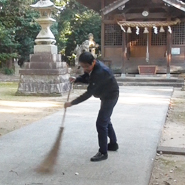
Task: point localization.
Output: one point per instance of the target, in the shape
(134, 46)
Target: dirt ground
(18, 111)
(170, 169)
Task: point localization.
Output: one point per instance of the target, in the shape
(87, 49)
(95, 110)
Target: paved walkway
(138, 119)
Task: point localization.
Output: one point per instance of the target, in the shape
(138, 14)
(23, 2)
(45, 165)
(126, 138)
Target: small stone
(76, 173)
(166, 183)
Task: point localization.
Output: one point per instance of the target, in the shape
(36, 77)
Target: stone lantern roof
(43, 4)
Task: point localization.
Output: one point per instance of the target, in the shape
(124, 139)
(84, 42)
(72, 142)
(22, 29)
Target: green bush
(8, 71)
(71, 60)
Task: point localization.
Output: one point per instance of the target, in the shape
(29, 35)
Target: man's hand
(72, 79)
(67, 104)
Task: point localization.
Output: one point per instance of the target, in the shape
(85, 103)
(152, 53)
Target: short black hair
(86, 57)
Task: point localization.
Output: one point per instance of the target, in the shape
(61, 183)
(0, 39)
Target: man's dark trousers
(104, 125)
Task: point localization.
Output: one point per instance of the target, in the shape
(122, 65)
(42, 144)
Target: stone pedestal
(45, 75)
(39, 49)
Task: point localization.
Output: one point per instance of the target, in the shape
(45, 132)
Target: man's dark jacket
(102, 84)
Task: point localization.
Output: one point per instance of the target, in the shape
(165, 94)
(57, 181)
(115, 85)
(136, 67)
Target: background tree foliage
(75, 23)
(18, 28)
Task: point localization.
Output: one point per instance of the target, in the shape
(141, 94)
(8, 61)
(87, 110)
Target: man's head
(87, 61)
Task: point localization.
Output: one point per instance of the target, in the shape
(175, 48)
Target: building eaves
(94, 5)
(176, 3)
(113, 6)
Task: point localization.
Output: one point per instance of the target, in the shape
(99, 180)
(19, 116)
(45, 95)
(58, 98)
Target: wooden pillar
(124, 54)
(169, 45)
(102, 31)
(147, 48)
(169, 38)
(149, 43)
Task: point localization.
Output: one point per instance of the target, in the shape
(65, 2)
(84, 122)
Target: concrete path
(138, 119)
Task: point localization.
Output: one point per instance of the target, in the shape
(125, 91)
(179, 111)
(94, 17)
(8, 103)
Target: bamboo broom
(50, 160)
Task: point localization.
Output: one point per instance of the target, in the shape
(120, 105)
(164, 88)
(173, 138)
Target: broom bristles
(50, 160)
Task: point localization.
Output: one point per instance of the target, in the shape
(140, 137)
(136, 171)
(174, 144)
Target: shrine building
(142, 33)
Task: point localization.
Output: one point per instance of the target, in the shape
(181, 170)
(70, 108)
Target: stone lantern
(45, 37)
(45, 74)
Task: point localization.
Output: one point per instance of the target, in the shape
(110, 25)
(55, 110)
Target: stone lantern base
(46, 48)
(44, 75)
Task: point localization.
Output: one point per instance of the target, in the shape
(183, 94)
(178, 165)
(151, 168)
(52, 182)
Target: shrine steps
(150, 80)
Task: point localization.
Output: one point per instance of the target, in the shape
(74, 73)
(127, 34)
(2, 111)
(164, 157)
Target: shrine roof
(111, 5)
(176, 3)
(95, 4)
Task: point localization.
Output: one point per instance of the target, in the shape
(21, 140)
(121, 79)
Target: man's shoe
(113, 147)
(99, 157)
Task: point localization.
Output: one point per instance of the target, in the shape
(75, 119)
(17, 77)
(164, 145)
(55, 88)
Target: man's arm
(82, 78)
(96, 83)
(81, 98)
(78, 100)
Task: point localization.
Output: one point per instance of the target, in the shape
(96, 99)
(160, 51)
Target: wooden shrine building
(142, 32)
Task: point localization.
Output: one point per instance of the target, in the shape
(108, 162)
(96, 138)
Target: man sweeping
(103, 85)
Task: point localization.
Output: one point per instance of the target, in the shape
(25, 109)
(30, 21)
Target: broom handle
(65, 108)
